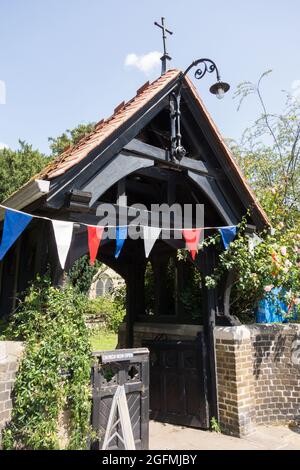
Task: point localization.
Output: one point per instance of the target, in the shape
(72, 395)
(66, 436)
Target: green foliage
(149, 290)
(69, 138)
(17, 167)
(191, 294)
(274, 263)
(54, 374)
(186, 298)
(214, 425)
(269, 154)
(110, 308)
(167, 278)
(103, 340)
(82, 274)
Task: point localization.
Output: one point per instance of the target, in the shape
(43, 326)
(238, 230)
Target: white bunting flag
(253, 241)
(151, 234)
(63, 232)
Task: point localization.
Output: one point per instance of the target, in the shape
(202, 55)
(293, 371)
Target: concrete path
(169, 437)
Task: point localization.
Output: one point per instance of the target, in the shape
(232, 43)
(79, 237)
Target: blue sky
(62, 62)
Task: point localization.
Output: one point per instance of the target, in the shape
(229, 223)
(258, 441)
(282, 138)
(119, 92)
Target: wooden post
(16, 274)
(208, 260)
(135, 299)
(40, 262)
(9, 279)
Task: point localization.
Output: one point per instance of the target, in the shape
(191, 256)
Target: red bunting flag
(192, 237)
(94, 239)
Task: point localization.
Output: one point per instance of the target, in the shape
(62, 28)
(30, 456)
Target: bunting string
(16, 221)
(115, 226)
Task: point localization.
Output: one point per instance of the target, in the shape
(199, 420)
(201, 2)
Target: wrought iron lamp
(219, 89)
(208, 66)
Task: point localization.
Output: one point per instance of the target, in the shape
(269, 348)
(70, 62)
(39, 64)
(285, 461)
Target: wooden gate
(178, 390)
(128, 367)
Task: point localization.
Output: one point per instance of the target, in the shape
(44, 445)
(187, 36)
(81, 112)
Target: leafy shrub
(54, 373)
(82, 274)
(110, 308)
(275, 263)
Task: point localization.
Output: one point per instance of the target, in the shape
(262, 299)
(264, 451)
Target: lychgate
(131, 157)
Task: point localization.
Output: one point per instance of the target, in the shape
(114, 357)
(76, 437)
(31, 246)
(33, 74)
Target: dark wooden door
(178, 391)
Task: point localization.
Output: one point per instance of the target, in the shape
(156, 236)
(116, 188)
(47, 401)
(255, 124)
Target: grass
(103, 340)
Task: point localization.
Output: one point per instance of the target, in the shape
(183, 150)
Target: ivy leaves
(54, 374)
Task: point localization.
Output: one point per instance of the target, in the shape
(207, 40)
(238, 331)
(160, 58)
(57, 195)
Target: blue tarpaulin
(273, 309)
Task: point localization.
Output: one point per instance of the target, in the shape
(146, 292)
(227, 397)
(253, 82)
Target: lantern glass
(219, 89)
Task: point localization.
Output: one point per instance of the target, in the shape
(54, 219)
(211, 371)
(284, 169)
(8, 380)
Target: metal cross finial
(165, 56)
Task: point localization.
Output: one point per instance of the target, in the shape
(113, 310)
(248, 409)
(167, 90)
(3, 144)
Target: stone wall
(258, 375)
(10, 353)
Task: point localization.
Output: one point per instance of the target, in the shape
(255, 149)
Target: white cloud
(145, 63)
(296, 90)
(2, 92)
(3, 146)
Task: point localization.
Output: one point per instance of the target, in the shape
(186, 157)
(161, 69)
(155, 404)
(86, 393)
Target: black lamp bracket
(206, 66)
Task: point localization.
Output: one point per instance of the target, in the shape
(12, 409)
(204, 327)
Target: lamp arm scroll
(204, 66)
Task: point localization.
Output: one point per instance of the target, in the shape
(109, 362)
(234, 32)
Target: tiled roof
(103, 129)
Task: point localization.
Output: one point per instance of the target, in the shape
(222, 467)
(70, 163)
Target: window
(99, 288)
(104, 286)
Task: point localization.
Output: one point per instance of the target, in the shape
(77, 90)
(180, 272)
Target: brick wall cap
(275, 328)
(234, 333)
(244, 332)
(10, 350)
(3, 353)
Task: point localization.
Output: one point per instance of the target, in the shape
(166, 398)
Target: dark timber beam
(159, 155)
(138, 147)
(158, 173)
(121, 190)
(212, 191)
(121, 215)
(116, 170)
(78, 200)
